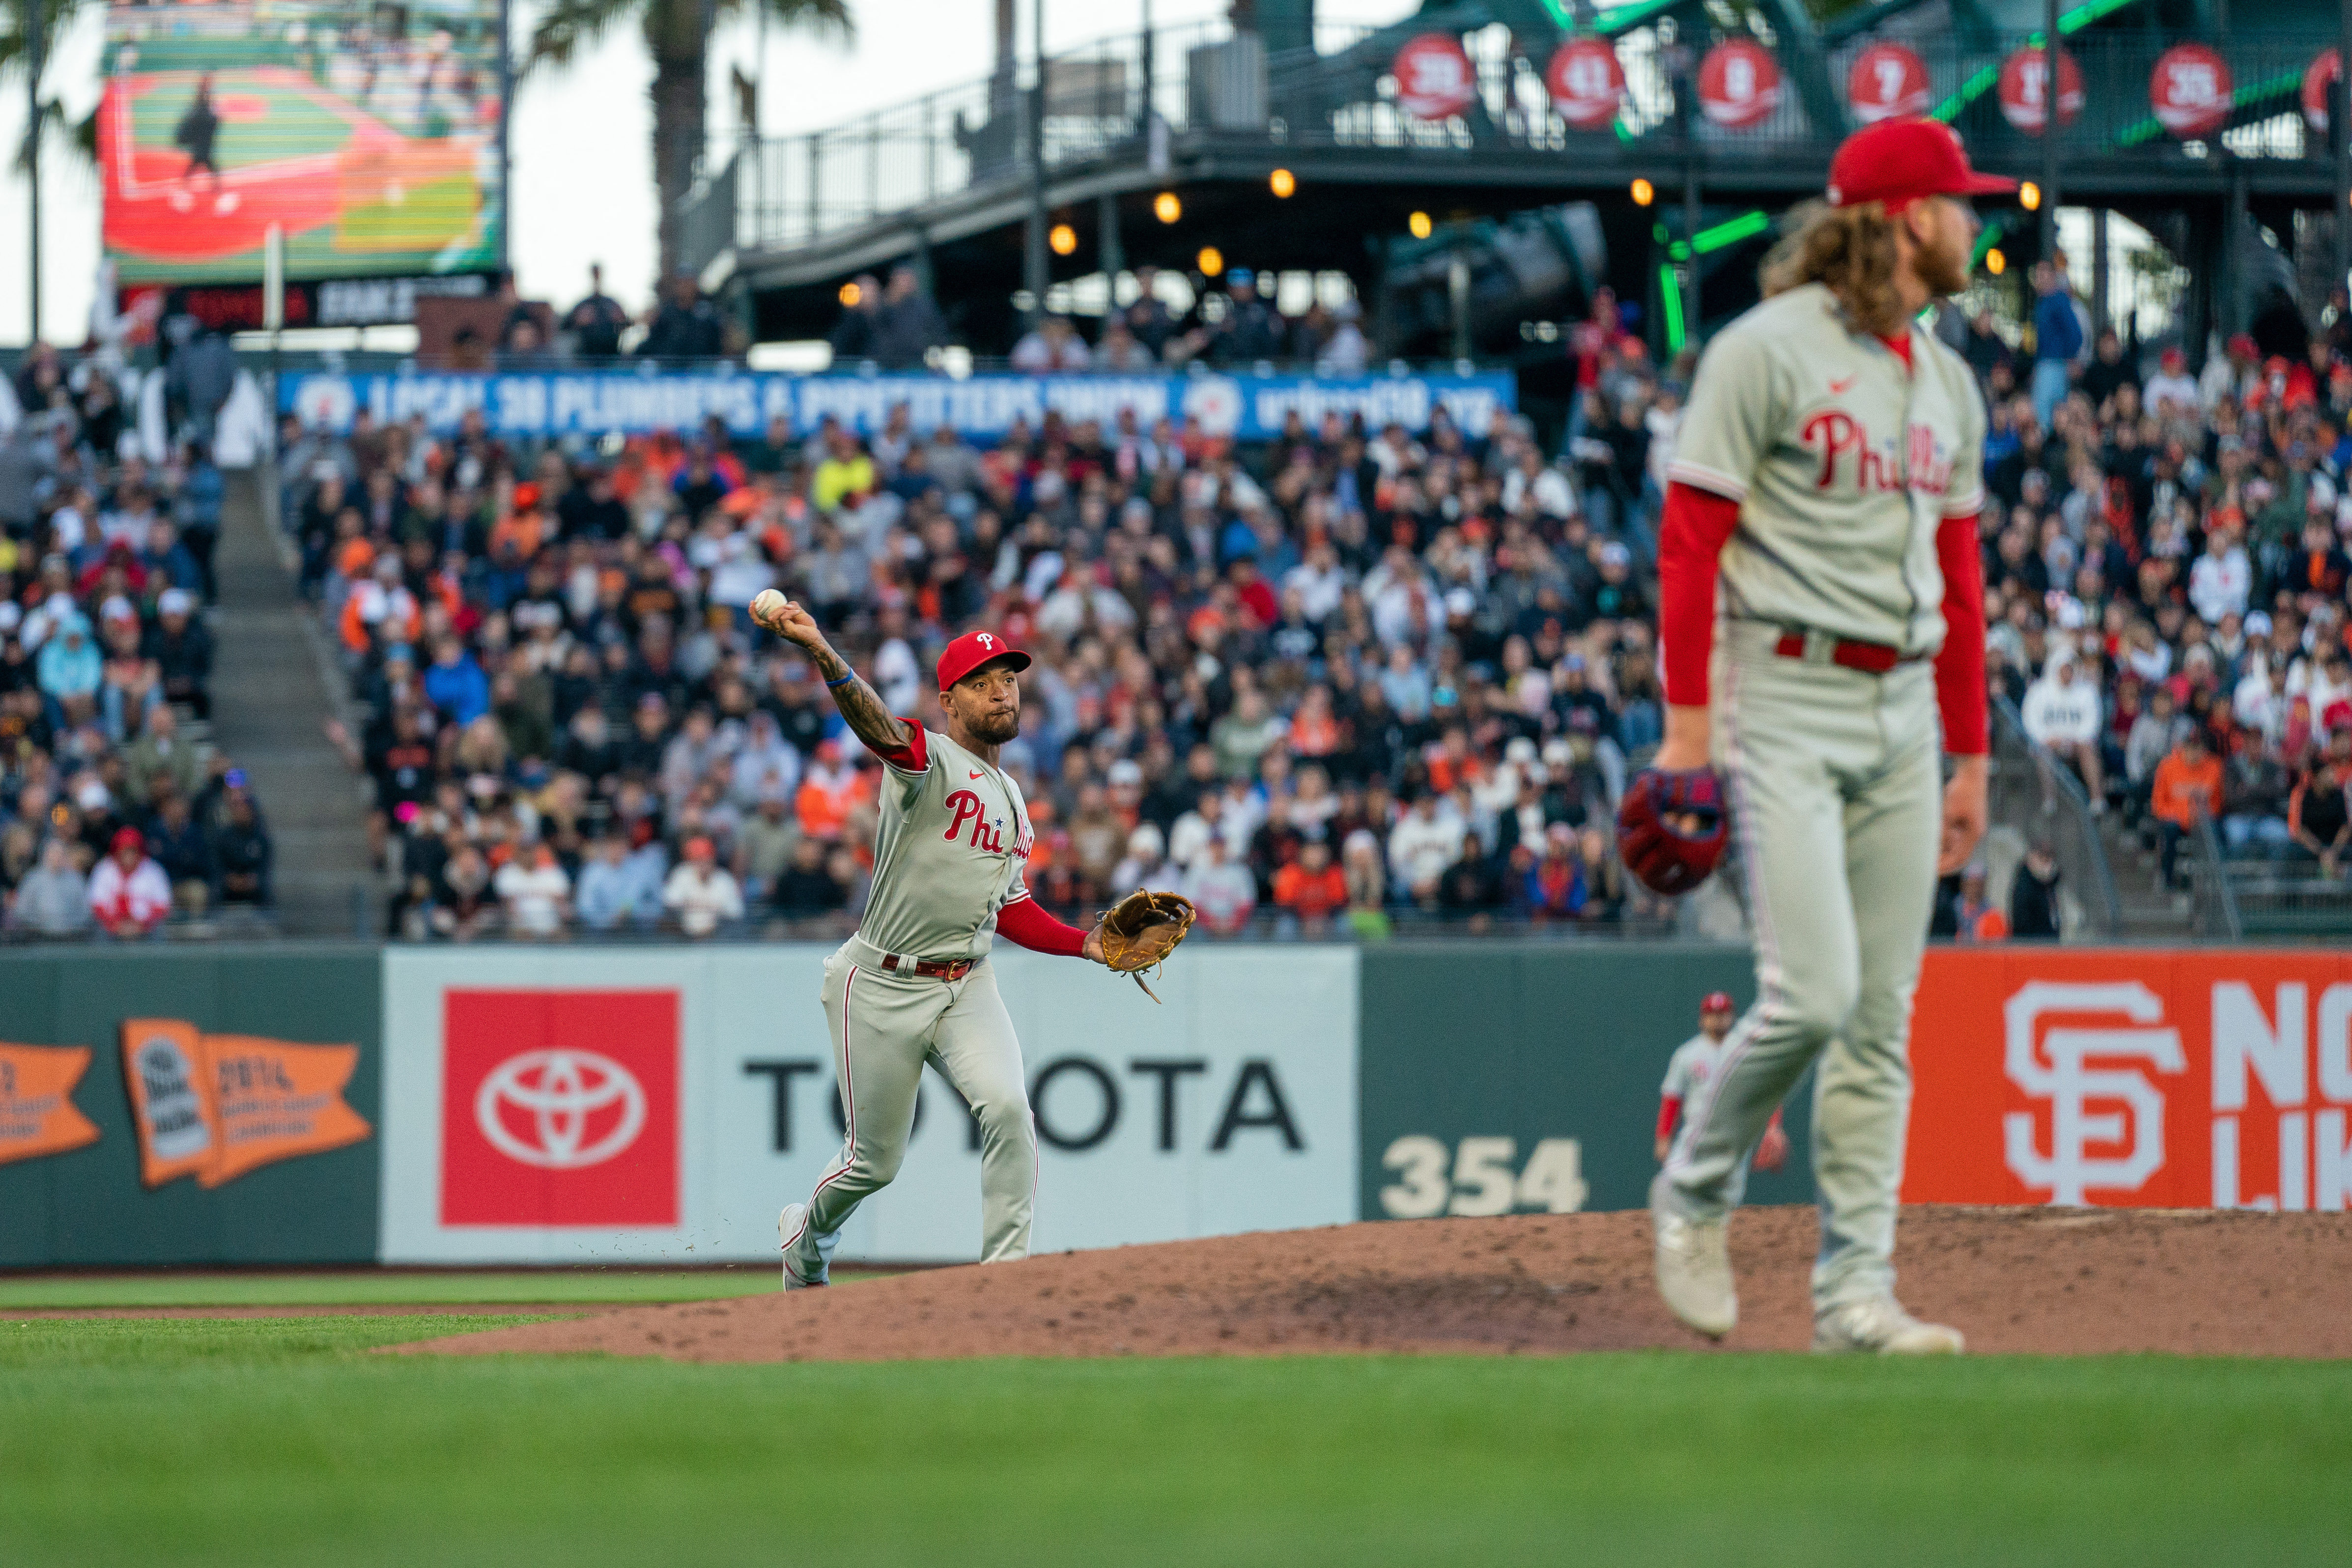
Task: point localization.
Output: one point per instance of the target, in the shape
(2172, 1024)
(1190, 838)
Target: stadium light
(1211, 261)
(1644, 192)
(1063, 240)
(1282, 182)
(1995, 262)
(1166, 208)
(1419, 225)
(2029, 196)
(850, 294)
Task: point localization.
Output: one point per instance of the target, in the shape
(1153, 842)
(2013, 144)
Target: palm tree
(677, 36)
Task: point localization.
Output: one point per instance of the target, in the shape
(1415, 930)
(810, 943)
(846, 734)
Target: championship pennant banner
(2143, 1078)
(37, 1115)
(216, 1106)
(1246, 408)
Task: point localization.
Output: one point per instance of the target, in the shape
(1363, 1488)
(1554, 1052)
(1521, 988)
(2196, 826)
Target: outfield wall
(542, 1105)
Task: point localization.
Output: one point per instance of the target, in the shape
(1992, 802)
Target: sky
(583, 169)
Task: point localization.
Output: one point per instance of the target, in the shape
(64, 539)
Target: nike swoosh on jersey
(1838, 387)
(976, 775)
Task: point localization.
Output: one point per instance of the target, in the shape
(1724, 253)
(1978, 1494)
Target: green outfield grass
(380, 1288)
(260, 1442)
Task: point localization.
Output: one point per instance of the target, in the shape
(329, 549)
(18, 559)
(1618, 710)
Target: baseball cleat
(788, 1228)
(1694, 1265)
(1878, 1325)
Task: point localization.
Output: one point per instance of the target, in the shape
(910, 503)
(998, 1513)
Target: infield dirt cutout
(2039, 1280)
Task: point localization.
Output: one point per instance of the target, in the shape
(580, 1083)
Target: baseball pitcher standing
(914, 985)
(1825, 490)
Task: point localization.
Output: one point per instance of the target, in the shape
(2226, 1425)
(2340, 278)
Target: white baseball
(768, 606)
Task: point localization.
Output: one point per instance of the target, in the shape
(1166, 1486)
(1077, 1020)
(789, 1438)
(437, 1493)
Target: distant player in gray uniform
(914, 985)
(1829, 469)
(1693, 1066)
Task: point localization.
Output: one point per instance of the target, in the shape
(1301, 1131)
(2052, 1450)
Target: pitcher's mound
(2079, 1281)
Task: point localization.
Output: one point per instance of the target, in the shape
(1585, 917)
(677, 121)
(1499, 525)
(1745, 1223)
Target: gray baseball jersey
(1692, 1065)
(1843, 461)
(948, 851)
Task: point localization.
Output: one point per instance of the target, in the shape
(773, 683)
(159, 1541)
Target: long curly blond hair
(1851, 250)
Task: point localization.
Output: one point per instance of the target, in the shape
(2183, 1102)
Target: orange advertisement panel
(273, 1100)
(216, 1106)
(171, 1105)
(2132, 1077)
(37, 1115)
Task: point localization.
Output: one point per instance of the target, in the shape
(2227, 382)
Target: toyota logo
(560, 1094)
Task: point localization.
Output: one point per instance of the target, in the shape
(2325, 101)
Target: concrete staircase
(2151, 912)
(269, 705)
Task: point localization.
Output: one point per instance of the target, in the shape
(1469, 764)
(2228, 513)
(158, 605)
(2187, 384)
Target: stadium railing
(1148, 97)
(2032, 794)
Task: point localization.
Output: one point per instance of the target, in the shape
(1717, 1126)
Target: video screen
(369, 132)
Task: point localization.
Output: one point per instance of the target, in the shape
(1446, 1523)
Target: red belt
(927, 968)
(1870, 658)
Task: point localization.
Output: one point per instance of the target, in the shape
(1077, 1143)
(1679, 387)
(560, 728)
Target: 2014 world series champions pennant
(217, 1106)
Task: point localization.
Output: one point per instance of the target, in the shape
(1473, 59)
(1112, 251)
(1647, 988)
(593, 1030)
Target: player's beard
(1943, 266)
(995, 729)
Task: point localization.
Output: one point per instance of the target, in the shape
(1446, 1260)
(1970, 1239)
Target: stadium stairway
(269, 707)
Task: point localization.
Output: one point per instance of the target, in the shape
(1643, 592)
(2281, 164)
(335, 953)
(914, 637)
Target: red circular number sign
(2024, 90)
(1434, 78)
(1887, 81)
(1738, 84)
(2315, 83)
(1585, 81)
(2189, 91)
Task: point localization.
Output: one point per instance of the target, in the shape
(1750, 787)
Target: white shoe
(788, 1227)
(1878, 1325)
(1694, 1271)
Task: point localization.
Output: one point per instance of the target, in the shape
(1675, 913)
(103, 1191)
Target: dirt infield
(2016, 1280)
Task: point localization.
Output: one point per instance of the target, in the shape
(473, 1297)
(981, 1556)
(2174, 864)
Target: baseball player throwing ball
(914, 985)
(1820, 607)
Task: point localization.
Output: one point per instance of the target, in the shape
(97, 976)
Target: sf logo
(2059, 1071)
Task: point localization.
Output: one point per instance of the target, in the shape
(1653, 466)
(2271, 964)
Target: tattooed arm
(889, 738)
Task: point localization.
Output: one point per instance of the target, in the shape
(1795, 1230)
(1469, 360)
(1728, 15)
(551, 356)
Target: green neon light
(2069, 23)
(1986, 240)
(1617, 18)
(1670, 297)
(1731, 232)
(1562, 17)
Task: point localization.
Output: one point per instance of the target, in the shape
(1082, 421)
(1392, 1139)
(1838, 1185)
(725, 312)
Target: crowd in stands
(2166, 572)
(117, 818)
(1339, 680)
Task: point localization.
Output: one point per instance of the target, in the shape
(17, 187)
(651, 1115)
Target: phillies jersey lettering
(1838, 435)
(948, 847)
(1844, 462)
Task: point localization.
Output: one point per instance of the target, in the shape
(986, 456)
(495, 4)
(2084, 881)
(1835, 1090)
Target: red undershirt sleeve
(1668, 1108)
(1026, 923)
(914, 757)
(1960, 665)
(1691, 537)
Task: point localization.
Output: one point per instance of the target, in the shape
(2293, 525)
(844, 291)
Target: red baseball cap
(1717, 1002)
(1900, 160)
(971, 650)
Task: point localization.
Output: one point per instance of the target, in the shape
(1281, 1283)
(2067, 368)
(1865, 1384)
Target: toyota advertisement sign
(663, 1103)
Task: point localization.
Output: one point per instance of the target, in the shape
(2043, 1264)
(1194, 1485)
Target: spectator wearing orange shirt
(2188, 785)
(830, 791)
(1311, 886)
(1979, 921)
